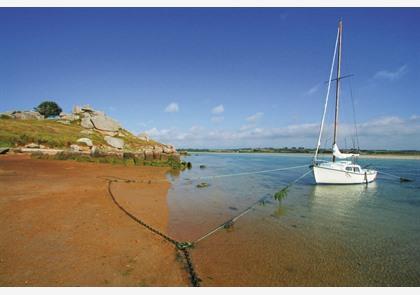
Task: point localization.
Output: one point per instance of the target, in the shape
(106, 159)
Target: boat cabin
(353, 168)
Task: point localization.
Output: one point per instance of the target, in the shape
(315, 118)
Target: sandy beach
(59, 226)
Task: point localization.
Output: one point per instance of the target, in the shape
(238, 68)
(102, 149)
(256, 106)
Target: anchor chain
(182, 246)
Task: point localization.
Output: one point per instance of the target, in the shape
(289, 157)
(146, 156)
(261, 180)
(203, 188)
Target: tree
(48, 109)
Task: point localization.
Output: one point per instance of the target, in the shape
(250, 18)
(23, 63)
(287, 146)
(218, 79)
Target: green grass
(46, 132)
(111, 159)
(53, 134)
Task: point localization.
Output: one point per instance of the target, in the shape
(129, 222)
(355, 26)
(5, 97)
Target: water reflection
(344, 197)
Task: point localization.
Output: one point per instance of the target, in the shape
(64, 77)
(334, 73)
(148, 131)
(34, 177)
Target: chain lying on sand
(181, 246)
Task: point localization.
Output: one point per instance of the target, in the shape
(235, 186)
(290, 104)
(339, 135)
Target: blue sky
(219, 77)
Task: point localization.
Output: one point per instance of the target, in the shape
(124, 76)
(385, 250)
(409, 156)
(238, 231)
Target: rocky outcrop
(34, 146)
(45, 151)
(86, 123)
(114, 142)
(86, 141)
(23, 115)
(75, 148)
(105, 123)
(4, 150)
(69, 117)
(169, 149)
(93, 119)
(94, 123)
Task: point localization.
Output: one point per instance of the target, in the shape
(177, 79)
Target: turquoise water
(318, 235)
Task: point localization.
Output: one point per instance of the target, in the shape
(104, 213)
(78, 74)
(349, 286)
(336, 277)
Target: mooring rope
(204, 177)
(402, 179)
(247, 173)
(231, 221)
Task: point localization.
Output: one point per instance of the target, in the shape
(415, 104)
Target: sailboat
(343, 168)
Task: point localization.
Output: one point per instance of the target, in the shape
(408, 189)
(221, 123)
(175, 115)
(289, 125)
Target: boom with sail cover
(340, 155)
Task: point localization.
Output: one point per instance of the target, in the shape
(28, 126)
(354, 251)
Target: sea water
(345, 235)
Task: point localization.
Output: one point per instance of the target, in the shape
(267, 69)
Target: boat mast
(337, 90)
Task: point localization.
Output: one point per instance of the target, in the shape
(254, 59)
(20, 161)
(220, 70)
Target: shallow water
(318, 235)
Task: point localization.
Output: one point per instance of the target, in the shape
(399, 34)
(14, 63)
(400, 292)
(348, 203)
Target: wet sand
(264, 250)
(59, 227)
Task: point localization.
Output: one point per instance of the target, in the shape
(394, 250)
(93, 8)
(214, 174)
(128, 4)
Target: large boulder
(86, 123)
(168, 150)
(87, 108)
(105, 123)
(114, 142)
(68, 117)
(87, 131)
(8, 114)
(27, 115)
(4, 150)
(75, 148)
(76, 110)
(86, 141)
(164, 157)
(139, 155)
(148, 154)
(158, 149)
(98, 113)
(32, 146)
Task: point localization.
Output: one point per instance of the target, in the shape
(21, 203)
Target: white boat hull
(324, 175)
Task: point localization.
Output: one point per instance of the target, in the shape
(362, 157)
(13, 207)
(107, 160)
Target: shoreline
(384, 156)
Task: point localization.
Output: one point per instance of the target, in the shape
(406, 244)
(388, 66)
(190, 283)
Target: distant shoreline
(362, 156)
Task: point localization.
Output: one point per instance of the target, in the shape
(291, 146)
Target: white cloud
(255, 117)
(218, 109)
(313, 89)
(196, 128)
(391, 75)
(246, 127)
(217, 119)
(172, 108)
(415, 117)
(380, 133)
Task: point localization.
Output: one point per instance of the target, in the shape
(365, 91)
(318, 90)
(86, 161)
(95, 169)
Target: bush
(48, 109)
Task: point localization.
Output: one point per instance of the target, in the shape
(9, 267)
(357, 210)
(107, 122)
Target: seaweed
(281, 194)
(202, 185)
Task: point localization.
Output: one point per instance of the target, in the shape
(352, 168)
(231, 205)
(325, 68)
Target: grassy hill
(53, 134)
